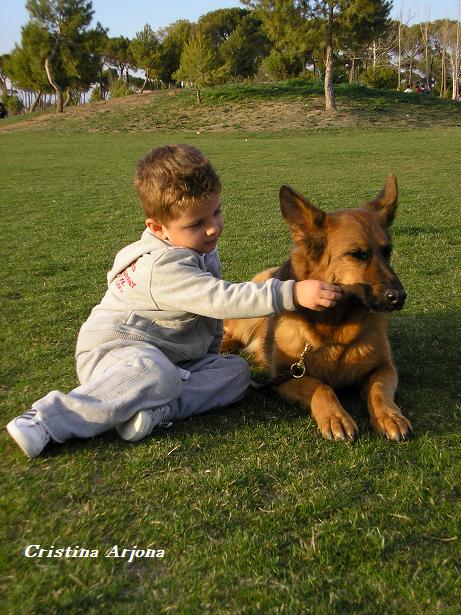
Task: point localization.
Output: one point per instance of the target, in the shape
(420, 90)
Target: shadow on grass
(427, 354)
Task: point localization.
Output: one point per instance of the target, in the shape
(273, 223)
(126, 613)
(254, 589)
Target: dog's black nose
(395, 297)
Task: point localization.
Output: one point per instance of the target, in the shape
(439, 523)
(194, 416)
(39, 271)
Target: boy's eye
(194, 224)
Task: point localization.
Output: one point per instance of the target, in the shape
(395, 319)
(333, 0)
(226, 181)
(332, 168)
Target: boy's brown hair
(170, 178)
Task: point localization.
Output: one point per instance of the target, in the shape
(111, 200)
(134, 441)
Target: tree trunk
(352, 72)
(101, 83)
(145, 82)
(68, 97)
(199, 96)
(35, 103)
(442, 76)
(455, 77)
(55, 86)
(330, 102)
(456, 62)
(428, 71)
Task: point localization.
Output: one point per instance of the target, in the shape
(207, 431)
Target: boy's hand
(316, 295)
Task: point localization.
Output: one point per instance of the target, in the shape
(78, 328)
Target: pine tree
(200, 65)
(64, 43)
(325, 24)
(145, 49)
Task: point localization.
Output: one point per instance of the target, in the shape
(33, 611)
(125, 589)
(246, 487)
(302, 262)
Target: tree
(3, 75)
(199, 65)
(245, 47)
(398, 26)
(287, 25)
(442, 36)
(173, 39)
(411, 46)
(456, 57)
(63, 41)
(24, 66)
(348, 23)
(329, 24)
(235, 35)
(117, 54)
(145, 50)
(217, 26)
(452, 41)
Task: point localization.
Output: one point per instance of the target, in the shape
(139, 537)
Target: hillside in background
(272, 107)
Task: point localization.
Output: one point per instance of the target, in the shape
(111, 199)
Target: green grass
(256, 513)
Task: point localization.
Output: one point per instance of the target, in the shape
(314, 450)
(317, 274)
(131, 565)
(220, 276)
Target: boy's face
(198, 228)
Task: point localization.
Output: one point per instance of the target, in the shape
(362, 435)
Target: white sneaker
(142, 423)
(29, 433)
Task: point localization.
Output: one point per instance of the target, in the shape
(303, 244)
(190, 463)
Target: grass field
(256, 513)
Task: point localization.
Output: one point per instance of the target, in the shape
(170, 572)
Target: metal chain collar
(298, 369)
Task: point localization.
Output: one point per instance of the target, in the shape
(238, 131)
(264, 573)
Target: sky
(124, 17)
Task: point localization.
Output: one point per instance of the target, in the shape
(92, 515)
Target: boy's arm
(178, 284)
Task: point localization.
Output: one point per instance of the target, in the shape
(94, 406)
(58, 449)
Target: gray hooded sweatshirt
(175, 299)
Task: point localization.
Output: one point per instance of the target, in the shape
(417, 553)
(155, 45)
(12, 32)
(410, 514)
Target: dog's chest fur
(337, 355)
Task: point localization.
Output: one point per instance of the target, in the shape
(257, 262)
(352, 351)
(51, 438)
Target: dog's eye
(361, 255)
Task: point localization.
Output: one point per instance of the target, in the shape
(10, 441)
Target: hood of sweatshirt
(129, 254)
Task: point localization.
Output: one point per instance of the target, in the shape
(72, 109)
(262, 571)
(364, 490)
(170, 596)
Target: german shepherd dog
(308, 353)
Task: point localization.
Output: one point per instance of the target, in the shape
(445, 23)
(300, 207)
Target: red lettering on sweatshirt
(124, 278)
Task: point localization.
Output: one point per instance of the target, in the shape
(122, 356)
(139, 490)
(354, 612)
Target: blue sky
(128, 16)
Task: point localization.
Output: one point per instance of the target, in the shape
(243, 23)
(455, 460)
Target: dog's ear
(304, 219)
(385, 204)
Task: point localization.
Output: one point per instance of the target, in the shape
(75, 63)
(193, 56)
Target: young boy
(149, 352)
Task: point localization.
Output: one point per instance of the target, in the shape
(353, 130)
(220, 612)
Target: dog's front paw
(339, 427)
(393, 425)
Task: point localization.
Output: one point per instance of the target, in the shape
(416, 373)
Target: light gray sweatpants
(121, 377)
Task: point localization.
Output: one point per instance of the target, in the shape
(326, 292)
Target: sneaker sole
(137, 428)
(23, 443)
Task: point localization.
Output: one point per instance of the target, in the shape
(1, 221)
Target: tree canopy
(306, 28)
(58, 37)
(61, 53)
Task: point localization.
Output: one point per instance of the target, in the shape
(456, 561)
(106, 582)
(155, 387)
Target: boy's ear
(156, 228)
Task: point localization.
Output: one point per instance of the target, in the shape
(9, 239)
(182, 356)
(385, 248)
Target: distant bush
(309, 75)
(14, 104)
(383, 77)
(96, 94)
(281, 65)
(119, 88)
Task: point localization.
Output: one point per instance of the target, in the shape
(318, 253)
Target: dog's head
(351, 248)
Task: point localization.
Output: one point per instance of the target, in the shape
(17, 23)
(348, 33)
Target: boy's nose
(213, 229)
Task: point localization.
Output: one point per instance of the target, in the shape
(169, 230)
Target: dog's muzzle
(386, 300)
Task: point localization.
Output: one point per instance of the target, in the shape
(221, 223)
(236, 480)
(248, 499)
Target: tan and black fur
(348, 344)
